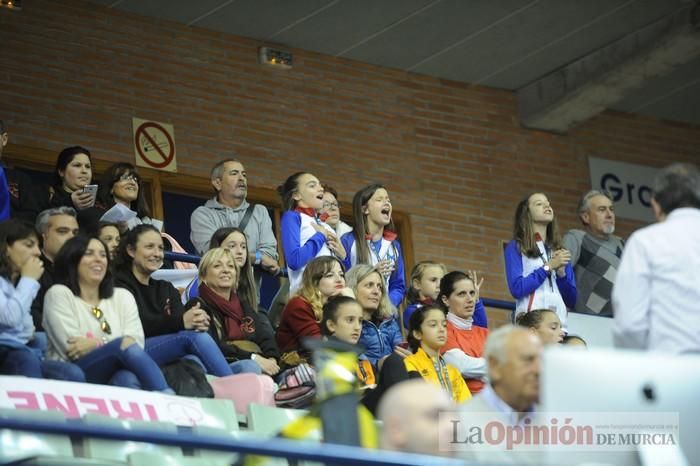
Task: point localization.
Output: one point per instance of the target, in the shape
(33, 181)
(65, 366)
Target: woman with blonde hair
(323, 277)
(244, 336)
(381, 334)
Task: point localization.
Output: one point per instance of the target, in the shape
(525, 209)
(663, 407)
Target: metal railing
(290, 449)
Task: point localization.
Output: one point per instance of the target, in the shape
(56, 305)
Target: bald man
(411, 411)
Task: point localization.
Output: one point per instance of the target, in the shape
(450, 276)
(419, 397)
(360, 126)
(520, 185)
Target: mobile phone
(90, 188)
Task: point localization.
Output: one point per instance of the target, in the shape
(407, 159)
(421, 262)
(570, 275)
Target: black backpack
(187, 378)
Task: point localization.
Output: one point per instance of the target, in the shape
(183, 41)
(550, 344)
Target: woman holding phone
(73, 186)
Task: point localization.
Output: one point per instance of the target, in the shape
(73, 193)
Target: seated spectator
(331, 211)
(27, 196)
(459, 297)
(595, 253)
(55, 227)
(323, 277)
(373, 240)
(233, 239)
(513, 356)
(381, 335)
(172, 331)
(304, 236)
(95, 325)
(109, 234)
(545, 323)
(342, 320)
(72, 173)
(424, 289)
(538, 268)
(426, 337)
(244, 335)
(415, 418)
(20, 270)
(121, 184)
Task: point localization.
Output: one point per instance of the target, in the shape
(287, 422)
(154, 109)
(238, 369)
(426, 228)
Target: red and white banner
(76, 399)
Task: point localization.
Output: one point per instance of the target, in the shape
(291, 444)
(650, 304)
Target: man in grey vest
(595, 253)
(231, 209)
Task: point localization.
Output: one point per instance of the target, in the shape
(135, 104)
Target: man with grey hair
(229, 208)
(595, 253)
(657, 293)
(55, 226)
(513, 357)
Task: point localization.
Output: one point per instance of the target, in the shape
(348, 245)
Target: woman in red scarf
(245, 337)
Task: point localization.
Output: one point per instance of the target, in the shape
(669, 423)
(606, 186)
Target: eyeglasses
(330, 205)
(100, 316)
(129, 177)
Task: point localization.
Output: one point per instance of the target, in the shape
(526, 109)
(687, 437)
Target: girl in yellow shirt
(427, 334)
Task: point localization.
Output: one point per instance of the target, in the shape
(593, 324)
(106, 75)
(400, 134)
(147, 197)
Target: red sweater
(472, 343)
(298, 321)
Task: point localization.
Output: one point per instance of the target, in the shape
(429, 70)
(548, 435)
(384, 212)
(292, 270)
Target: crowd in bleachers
(79, 301)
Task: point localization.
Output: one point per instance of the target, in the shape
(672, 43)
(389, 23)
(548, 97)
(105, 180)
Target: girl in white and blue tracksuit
(304, 235)
(372, 241)
(528, 257)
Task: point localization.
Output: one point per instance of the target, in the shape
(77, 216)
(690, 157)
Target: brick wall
(453, 155)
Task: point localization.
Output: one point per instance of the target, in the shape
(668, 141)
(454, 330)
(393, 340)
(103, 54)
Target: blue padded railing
(180, 257)
(194, 259)
(291, 449)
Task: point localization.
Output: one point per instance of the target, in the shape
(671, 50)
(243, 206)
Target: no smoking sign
(154, 145)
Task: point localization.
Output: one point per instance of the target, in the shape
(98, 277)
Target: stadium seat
(220, 413)
(119, 450)
(44, 448)
(224, 457)
(267, 421)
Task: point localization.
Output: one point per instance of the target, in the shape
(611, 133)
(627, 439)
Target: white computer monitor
(615, 381)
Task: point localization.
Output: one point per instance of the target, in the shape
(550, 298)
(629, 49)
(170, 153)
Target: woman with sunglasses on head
(172, 330)
(121, 184)
(95, 325)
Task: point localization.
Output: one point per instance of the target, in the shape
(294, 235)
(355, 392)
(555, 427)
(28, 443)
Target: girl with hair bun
(304, 234)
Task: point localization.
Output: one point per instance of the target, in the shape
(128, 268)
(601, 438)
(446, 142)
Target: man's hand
(269, 264)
